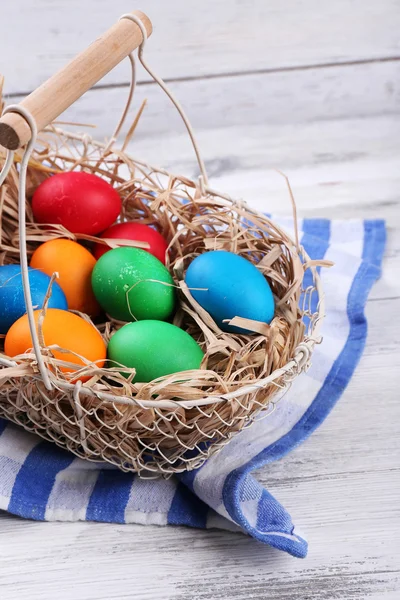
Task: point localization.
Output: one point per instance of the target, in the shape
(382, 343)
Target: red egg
(81, 202)
(134, 231)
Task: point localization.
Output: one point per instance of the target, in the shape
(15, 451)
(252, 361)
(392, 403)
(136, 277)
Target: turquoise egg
(230, 286)
(12, 301)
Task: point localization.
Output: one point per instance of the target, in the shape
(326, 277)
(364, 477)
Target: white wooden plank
(311, 96)
(334, 132)
(211, 37)
(343, 164)
(388, 287)
(351, 552)
(359, 436)
(214, 566)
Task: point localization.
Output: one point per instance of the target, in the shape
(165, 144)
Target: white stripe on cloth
(14, 448)
(249, 510)
(71, 491)
(150, 501)
(217, 521)
(349, 236)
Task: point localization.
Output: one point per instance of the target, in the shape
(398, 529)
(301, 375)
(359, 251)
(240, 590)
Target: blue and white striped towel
(40, 481)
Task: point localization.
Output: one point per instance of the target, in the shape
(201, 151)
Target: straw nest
(173, 423)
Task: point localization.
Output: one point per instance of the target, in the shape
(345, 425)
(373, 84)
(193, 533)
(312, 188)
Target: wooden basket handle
(54, 96)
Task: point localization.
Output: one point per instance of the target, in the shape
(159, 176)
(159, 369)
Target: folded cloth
(40, 481)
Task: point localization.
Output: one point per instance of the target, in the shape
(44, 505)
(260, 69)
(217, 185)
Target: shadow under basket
(174, 423)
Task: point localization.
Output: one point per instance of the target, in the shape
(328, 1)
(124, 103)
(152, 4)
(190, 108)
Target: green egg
(129, 285)
(154, 349)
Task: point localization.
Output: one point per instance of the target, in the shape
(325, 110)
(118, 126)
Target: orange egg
(63, 329)
(74, 264)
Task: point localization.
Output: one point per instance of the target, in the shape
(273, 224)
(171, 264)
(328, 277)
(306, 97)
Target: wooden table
(313, 88)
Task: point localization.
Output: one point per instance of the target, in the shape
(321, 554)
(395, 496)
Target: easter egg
(131, 284)
(81, 202)
(12, 301)
(74, 265)
(64, 329)
(154, 349)
(230, 286)
(134, 231)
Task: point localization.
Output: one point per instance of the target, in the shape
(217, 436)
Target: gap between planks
(234, 74)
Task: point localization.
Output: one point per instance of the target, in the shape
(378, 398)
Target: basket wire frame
(142, 434)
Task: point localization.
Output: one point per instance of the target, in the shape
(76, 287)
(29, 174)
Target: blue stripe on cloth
(109, 497)
(250, 489)
(272, 516)
(3, 425)
(187, 509)
(272, 523)
(35, 480)
(188, 478)
(315, 241)
(335, 383)
(269, 512)
(319, 228)
(374, 246)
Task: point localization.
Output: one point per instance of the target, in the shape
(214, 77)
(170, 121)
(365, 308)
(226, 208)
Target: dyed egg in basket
(66, 330)
(12, 302)
(81, 202)
(157, 245)
(74, 266)
(131, 284)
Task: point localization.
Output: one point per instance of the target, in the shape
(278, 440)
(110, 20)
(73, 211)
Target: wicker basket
(171, 424)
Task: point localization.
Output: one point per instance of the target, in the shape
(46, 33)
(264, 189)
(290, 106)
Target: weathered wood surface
(208, 38)
(335, 131)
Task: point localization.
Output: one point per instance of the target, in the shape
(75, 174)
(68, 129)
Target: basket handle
(59, 92)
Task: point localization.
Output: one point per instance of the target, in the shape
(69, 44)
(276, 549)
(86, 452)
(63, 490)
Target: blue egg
(233, 287)
(12, 302)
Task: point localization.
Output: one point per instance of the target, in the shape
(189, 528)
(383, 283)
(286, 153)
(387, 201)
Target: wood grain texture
(204, 39)
(279, 99)
(335, 131)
